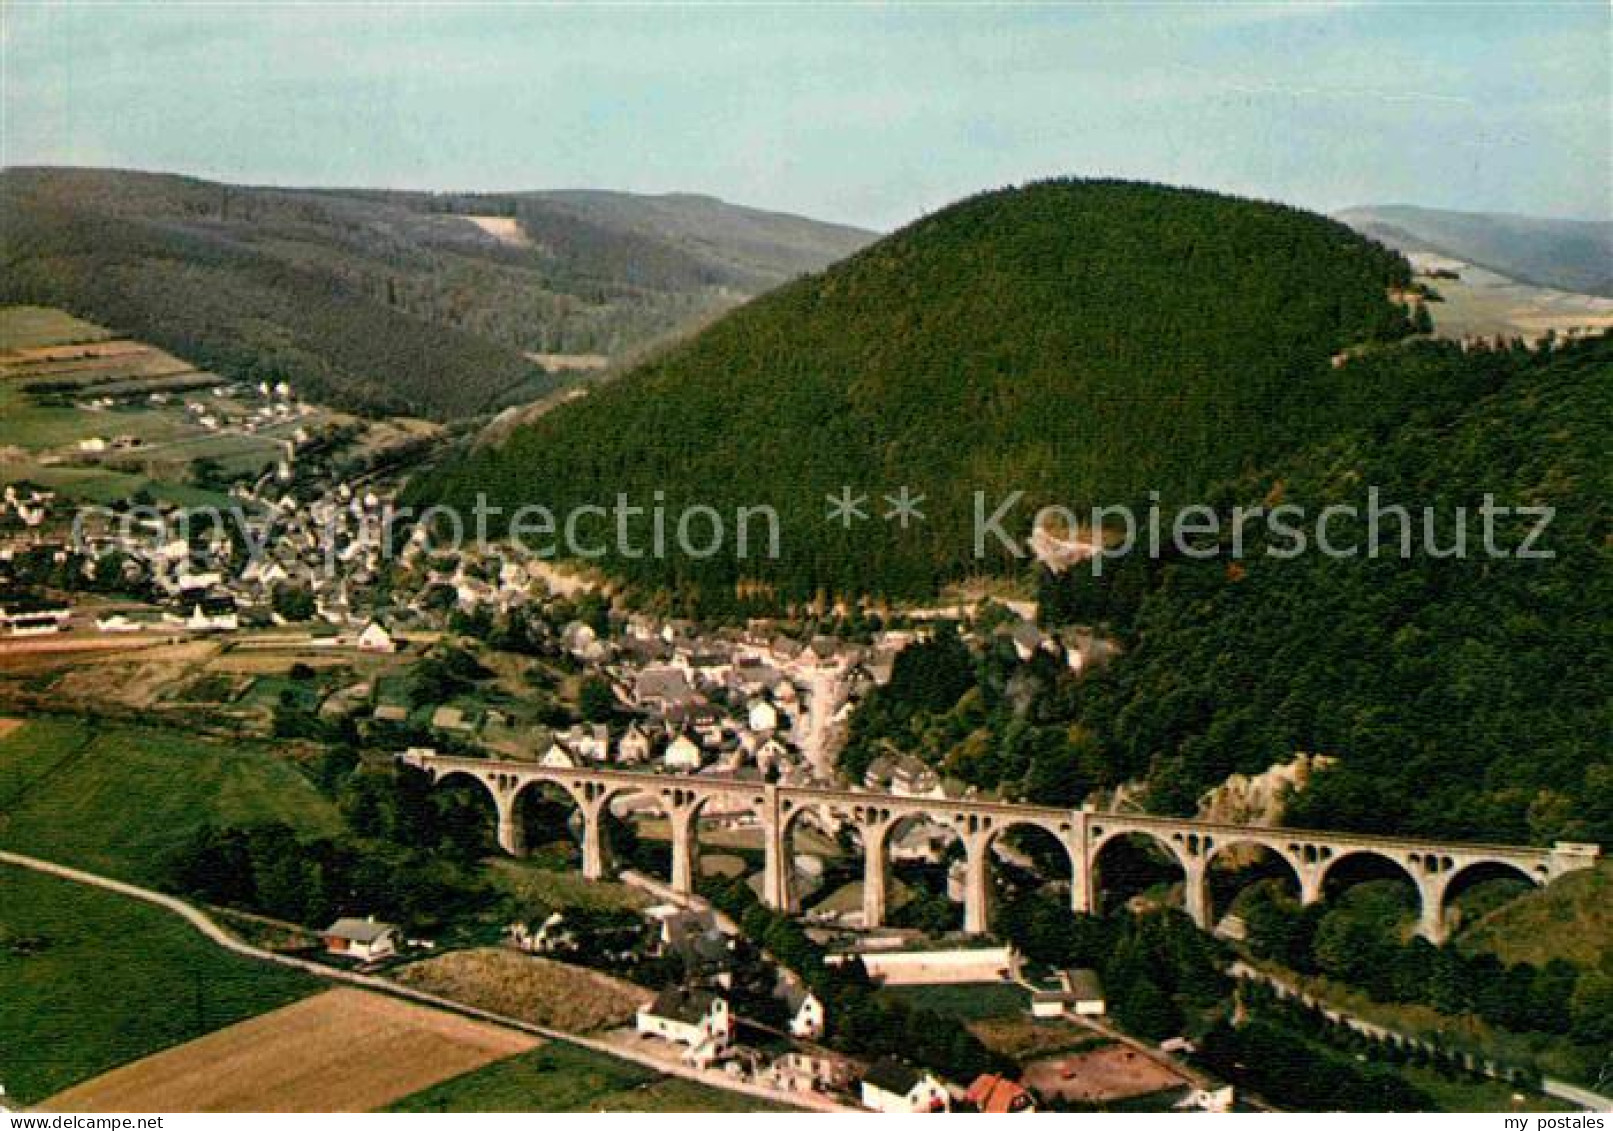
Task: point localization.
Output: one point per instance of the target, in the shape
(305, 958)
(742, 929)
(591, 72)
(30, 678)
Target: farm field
(534, 989)
(92, 980)
(116, 799)
(561, 1077)
(1483, 303)
(342, 1050)
(30, 327)
(65, 383)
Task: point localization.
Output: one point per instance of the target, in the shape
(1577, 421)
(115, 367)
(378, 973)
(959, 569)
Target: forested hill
(1463, 697)
(404, 302)
(1086, 341)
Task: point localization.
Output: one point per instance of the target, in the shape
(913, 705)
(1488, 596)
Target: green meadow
(91, 980)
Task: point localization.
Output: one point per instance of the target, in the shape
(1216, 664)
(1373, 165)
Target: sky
(866, 114)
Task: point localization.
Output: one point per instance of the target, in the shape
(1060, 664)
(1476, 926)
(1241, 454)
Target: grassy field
(105, 486)
(534, 989)
(116, 799)
(1022, 1037)
(1572, 919)
(559, 1077)
(560, 889)
(57, 374)
(28, 327)
(1468, 1095)
(965, 1002)
(91, 980)
(848, 898)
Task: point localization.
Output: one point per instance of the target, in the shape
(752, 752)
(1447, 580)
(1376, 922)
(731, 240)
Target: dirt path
(217, 934)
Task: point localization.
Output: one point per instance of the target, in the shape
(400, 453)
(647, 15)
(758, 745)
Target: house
(703, 949)
(582, 642)
(912, 778)
(363, 939)
(1078, 991)
(810, 1072)
(375, 638)
(696, 1019)
(900, 1089)
(1085, 992)
(921, 843)
(214, 612)
(557, 757)
(1027, 640)
(807, 1019)
(684, 753)
(903, 775)
(762, 716)
(635, 747)
(1208, 1099)
(997, 1095)
(1048, 1003)
(660, 688)
(32, 616)
(770, 754)
(587, 743)
(1084, 649)
(117, 622)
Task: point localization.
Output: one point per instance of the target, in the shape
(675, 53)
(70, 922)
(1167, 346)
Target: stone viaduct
(1432, 866)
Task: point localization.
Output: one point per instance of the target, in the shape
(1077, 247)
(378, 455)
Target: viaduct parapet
(1432, 866)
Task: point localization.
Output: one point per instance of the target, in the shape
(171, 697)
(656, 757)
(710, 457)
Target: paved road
(217, 934)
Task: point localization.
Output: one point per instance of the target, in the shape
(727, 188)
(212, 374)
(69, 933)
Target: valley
(536, 775)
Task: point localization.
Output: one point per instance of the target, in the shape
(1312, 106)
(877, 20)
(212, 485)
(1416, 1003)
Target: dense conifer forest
(387, 302)
(1462, 697)
(1083, 341)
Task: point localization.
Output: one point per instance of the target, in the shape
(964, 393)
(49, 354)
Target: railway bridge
(1311, 855)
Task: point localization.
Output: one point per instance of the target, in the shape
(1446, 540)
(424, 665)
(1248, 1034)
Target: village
(621, 690)
(278, 598)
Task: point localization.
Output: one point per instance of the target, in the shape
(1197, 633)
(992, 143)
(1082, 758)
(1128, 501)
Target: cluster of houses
(732, 703)
(698, 1018)
(24, 507)
(1079, 648)
(742, 702)
(275, 405)
(200, 572)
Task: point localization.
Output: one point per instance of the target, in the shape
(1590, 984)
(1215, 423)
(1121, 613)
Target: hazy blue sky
(865, 114)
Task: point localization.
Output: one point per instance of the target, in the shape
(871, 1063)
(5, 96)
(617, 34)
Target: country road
(217, 934)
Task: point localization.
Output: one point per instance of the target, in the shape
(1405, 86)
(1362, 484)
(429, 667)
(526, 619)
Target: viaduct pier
(1433, 867)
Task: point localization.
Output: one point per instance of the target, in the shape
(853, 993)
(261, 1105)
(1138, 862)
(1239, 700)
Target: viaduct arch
(1432, 866)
